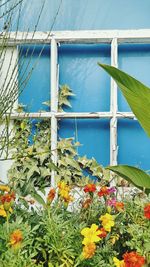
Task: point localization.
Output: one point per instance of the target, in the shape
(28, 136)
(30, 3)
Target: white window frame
(113, 37)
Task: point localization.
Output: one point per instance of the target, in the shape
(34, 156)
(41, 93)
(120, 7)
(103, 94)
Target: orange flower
(90, 188)
(7, 198)
(119, 206)
(133, 259)
(89, 250)
(16, 238)
(51, 195)
(86, 204)
(103, 233)
(147, 211)
(104, 191)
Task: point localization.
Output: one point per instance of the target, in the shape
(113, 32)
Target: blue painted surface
(86, 14)
(134, 145)
(93, 134)
(135, 60)
(37, 89)
(78, 69)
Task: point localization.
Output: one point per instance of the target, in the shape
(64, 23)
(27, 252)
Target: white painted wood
(8, 72)
(113, 106)
(66, 115)
(54, 106)
(96, 36)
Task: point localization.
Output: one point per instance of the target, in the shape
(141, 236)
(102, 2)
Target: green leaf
(133, 175)
(136, 94)
(38, 198)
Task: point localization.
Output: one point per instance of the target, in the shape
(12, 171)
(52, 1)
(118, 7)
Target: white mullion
(113, 107)
(54, 105)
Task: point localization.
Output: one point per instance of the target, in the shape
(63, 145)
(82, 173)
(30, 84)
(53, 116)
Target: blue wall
(79, 69)
(87, 14)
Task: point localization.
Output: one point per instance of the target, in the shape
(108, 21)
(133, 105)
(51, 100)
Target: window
(107, 112)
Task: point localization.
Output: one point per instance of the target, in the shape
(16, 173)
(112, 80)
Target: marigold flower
(118, 263)
(89, 251)
(133, 259)
(51, 195)
(90, 188)
(16, 238)
(119, 206)
(91, 235)
(104, 191)
(7, 198)
(107, 221)
(2, 211)
(147, 211)
(103, 233)
(86, 203)
(64, 192)
(4, 188)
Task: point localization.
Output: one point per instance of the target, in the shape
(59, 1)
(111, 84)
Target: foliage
(138, 98)
(30, 151)
(53, 236)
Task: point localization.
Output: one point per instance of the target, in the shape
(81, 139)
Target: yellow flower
(107, 221)
(91, 235)
(64, 192)
(2, 211)
(4, 188)
(118, 263)
(89, 251)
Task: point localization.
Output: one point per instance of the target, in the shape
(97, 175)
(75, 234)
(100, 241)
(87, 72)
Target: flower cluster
(94, 234)
(4, 188)
(16, 239)
(64, 192)
(107, 221)
(147, 211)
(119, 206)
(90, 188)
(51, 195)
(91, 236)
(130, 259)
(6, 203)
(105, 191)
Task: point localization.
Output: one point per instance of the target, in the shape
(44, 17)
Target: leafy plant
(30, 151)
(138, 98)
(53, 236)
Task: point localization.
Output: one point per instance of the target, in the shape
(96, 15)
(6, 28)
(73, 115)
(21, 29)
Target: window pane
(93, 135)
(79, 69)
(135, 60)
(37, 89)
(134, 145)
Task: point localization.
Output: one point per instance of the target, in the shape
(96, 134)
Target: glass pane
(134, 145)
(135, 60)
(37, 89)
(90, 84)
(93, 134)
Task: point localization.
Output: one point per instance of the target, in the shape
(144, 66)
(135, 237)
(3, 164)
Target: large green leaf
(136, 94)
(134, 175)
